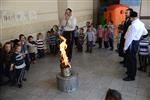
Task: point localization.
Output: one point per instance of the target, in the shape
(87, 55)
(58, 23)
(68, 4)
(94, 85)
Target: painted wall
(33, 16)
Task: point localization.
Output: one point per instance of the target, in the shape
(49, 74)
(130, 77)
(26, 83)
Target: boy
(18, 62)
(32, 49)
(100, 35)
(52, 40)
(111, 38)
(113, 95)
(81, 40)
(106, 39)
(90, 39)
(143, 54)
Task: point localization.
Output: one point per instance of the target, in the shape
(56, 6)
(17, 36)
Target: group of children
(104, 35)
(16, 57)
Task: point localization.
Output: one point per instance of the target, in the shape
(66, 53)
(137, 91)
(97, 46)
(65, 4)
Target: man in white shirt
(69, 23)
(135, 31)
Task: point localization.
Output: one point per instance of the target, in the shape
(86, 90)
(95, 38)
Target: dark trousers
(69, 35)
(19, 75)
(131, 59)
(40, 53)
(111, 43)
(106, 44)
(80, 47)
(27, 62)
(100, 42)
(143, 60)
(52, 49)
(76, 41)
(1, 73)
(89, 46)
(32, 56)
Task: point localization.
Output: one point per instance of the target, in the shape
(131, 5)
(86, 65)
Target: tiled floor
(97, 72)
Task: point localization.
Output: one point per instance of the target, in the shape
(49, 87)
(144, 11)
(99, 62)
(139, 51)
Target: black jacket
(127, 23)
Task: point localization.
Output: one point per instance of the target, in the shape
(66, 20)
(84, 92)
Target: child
(1, 65)
(24, 50)
(7, 62)
(32, 49)
(95, 32)
(100, 35)
(40, 45)
(81, 40)
(119, 37)
(18, 63)
(90, 39)
(111, 38)
(113, 95)
(76, 35)
(105, 35)
(52, 39)
(143, 54)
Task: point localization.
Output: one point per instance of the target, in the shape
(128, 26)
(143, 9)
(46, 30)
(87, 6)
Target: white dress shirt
(70, 25)
(134, 32)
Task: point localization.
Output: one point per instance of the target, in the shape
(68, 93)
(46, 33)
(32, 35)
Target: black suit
(127, 23)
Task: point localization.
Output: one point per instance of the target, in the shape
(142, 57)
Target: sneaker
(24, 79)
(19, 85)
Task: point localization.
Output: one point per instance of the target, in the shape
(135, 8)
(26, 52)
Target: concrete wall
(33, 16)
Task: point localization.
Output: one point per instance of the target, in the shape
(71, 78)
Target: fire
(63, 47)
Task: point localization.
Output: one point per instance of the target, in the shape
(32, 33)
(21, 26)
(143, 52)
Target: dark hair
(69, 9)
(0, 45)
(15, 42)
(52, 30)
(77, 27)
(29, 37)
(114, 94)
(21, 36)
(5, 45)
(16, 46)
(133, 14)
(82, 29)
(130, 9)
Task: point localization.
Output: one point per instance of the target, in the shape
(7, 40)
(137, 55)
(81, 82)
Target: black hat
(133, 14)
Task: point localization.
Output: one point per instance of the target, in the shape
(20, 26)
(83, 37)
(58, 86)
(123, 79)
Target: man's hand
(11, 68)
(124, 51)
(67, 17)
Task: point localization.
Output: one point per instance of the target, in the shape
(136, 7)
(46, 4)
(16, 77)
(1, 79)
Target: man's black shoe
(121, 62)
(19, 85)
(128, 79)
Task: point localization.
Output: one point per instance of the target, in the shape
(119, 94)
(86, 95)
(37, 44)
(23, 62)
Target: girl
(81, 40)
(32, 49)
(18, 63)
(7, 62)
(1, 65)
(40, 45)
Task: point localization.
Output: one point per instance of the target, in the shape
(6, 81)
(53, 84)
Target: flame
(63, 47)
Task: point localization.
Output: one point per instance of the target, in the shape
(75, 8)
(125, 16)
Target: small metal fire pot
(68, 84)
(66, 72)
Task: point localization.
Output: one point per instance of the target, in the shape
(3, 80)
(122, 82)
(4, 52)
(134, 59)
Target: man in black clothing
(127, 23)
(69, 23)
